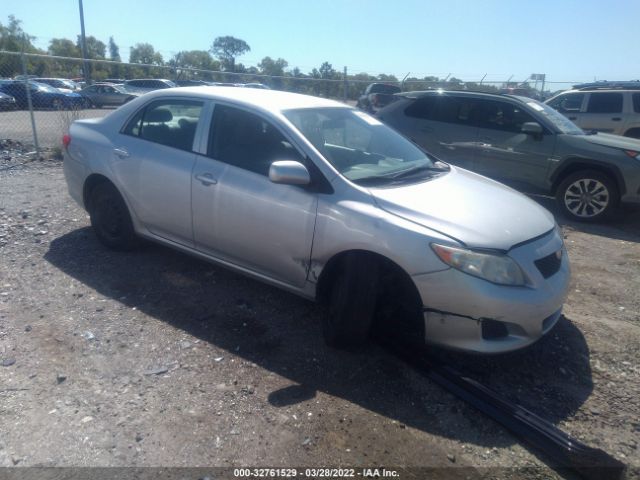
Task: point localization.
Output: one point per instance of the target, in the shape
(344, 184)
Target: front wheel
(587, 196)
(110, 218)
(352, 302)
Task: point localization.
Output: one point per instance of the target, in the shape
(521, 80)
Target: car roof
(467, 93)
(271, 100)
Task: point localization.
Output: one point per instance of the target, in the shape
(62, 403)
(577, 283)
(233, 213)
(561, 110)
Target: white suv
(609, 107)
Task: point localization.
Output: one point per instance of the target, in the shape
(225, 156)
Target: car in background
(377, 96)
(191, 83)
(609, 107)
(42, 95)
(251, 179)
(256, 85)
(62, 84)
(106, 94)
(144, 85)
(524, 143)
(7, 102)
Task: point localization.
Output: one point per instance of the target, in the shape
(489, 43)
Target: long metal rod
(567, 452)
(83, 44)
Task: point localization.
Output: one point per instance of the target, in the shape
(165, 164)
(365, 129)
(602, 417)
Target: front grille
(550, 264)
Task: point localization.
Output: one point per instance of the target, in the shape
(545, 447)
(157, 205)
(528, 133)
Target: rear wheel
(587, 196)
(56, 104)
(110, 218)
(352, 302)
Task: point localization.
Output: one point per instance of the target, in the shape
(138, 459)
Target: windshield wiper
(413, 170)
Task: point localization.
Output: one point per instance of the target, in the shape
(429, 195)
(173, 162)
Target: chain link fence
(39, 114)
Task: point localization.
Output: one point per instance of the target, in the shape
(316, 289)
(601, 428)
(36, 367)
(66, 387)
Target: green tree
(96, 49)
(273, 68)
(144, 53)
(227, 49)
(63, 47)
(14, 39)
(115, 71)
(199, 60)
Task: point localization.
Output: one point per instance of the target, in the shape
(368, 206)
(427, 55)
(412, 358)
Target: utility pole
(345, 94)
(83, 44)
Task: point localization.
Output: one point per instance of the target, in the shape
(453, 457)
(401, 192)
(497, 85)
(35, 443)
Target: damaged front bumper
(468, 313)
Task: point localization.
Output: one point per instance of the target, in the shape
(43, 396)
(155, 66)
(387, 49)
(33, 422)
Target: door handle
(121, 153)
(206, 179)
(616, 119)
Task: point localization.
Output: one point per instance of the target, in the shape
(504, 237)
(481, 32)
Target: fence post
(346, 86)
(27, 87)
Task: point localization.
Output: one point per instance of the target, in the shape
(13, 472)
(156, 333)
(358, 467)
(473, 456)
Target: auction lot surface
(153, 358)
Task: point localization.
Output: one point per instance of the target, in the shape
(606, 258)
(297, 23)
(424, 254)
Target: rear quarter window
(636, 102)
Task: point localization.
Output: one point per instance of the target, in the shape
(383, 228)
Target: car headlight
(495, 268)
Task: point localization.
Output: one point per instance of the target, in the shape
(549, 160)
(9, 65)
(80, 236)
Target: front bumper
(467, 313)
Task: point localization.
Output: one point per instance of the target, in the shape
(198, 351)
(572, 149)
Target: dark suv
(524, 143)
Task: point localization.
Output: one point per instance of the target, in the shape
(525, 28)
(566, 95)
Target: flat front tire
(352, 302)
(587, 196)
(110, 218)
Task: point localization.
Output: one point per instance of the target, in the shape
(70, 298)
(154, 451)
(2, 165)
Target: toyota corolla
(323, 200)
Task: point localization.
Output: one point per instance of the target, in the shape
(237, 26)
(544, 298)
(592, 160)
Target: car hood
(613, 141)
(476, 211)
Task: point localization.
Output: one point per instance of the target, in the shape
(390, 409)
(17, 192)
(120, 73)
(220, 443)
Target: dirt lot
(153, 358)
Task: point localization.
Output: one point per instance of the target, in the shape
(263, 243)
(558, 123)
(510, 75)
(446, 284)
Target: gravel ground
(153, 358)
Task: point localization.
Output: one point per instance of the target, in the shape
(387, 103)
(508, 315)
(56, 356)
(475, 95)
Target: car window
(449, 109)
(569, 103)
(504, 116)
(247, 141)
(605, 102)
(169, 122)
(91, 89)
(383, 88)
(636, 102)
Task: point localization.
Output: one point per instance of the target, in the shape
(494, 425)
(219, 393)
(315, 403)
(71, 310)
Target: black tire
(110, 218)
(587, 196)
(352, 302)
(57, 104)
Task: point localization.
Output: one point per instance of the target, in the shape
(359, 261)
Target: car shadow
(281, 333)
(624, 223)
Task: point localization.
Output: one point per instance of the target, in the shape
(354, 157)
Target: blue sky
(569, 40)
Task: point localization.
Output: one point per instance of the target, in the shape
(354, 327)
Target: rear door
(604, 113)
(153, 159)
(441, 125)
(504, 152)
(239, 215)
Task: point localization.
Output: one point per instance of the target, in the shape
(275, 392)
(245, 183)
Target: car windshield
(561, 122)
(361, 148)
(44, 87)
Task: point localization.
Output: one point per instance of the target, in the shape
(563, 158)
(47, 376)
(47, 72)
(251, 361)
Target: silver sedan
(323, 200)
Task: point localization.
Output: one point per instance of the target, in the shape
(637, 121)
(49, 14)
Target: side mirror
(532, 128)
(289, 172)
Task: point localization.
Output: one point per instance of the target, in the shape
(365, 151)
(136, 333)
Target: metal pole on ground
(27, 87)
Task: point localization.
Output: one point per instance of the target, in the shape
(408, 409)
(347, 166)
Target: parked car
(524, 143)
(7, 102)
(191, 83)
(144, 85)
(609, 107)
(42, 95)
(255, 85)
(377, 96)
(101, 94)
(62, 84)
(323, 200)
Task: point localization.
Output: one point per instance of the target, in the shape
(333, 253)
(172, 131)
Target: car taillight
(66, 140)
